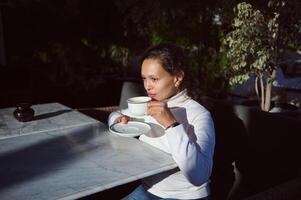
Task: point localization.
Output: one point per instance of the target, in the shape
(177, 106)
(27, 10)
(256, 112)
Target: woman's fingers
(156, 107)
(156, 104)
(160, 112)
(122, 119)
(155, 110)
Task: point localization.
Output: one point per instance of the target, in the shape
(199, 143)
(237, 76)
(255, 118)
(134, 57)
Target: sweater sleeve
(192, 148)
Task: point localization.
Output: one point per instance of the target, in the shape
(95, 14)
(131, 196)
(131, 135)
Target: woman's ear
(179, 78)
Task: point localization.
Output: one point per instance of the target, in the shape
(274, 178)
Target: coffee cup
(138, 105)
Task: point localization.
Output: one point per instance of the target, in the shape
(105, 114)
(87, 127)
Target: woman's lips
(151, 95)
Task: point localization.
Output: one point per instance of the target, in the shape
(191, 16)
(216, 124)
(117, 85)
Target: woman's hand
(122, 119)
(161, 113)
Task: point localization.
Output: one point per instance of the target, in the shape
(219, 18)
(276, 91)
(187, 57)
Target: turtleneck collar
(178, 99)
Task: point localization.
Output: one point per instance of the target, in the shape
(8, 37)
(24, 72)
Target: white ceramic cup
(138, 105)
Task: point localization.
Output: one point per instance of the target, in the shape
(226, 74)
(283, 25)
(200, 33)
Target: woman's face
(158, 83)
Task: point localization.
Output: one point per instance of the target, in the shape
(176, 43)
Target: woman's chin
(153, 97)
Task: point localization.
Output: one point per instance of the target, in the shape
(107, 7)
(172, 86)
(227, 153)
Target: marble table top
(74, 162)
(47, 117)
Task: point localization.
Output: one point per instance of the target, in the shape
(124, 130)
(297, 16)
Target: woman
(180, 126)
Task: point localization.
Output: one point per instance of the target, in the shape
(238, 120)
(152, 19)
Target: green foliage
(252, 48)
(256, 42)
(190, 25)
(251, 44)
(120, 54)
(83, 38)
(259, 37)
(156, 39)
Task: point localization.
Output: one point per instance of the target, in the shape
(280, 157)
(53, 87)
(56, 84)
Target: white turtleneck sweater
(191, 145)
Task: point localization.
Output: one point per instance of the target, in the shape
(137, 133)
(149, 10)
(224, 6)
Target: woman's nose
(147, 85)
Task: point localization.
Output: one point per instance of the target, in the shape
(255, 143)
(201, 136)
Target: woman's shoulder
(194, 107)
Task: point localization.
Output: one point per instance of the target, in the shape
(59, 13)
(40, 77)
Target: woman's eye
(155, 79)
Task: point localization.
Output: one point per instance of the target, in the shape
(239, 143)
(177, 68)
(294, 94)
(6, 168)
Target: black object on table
(24, 112)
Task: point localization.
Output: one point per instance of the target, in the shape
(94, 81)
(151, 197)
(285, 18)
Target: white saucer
(131, 129)
(128, 113)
